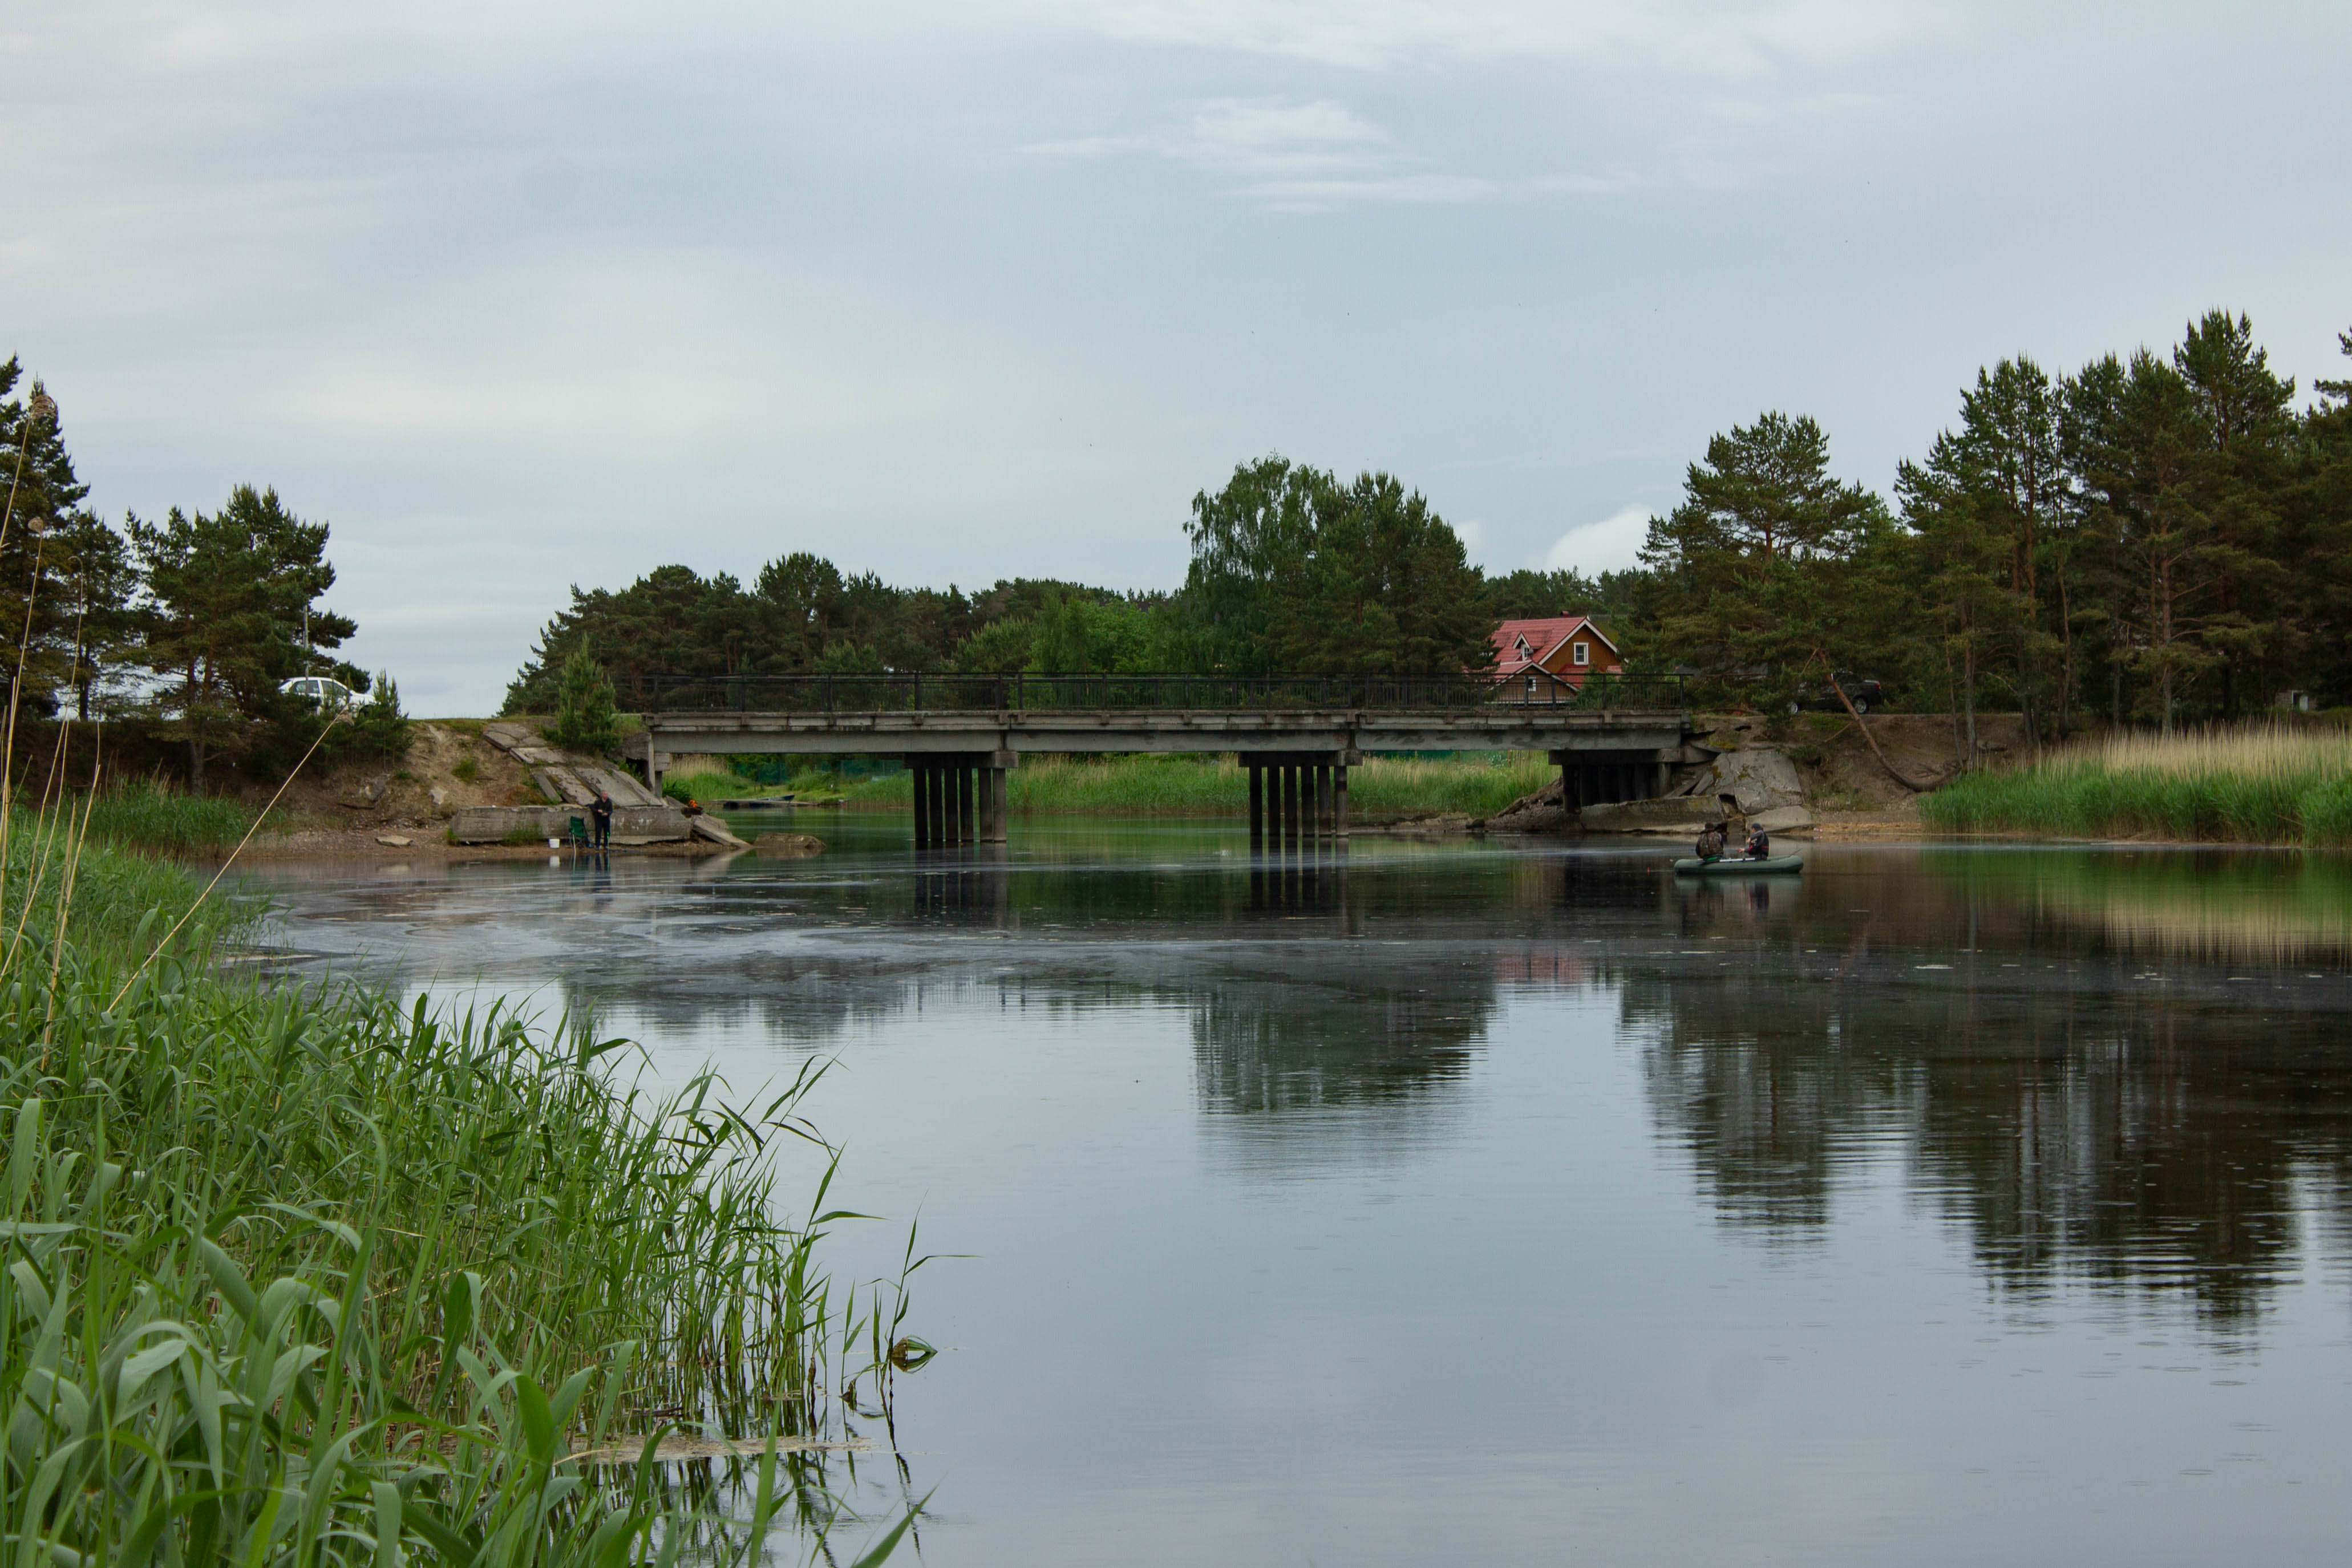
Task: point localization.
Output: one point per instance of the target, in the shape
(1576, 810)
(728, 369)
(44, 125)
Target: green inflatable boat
(1738, 865)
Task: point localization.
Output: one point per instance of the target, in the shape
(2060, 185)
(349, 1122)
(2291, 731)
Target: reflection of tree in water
(1273, 1047)
(1298, 1073)
(1769, 1089)
(2133, 1142)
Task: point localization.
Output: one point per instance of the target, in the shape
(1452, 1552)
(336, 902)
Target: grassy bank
(2257, 785)
(295, 1278)
(1383, 788)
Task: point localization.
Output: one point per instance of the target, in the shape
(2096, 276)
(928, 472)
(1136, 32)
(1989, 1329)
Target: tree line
(2156, 537)
(182, 631)
(1294, 570)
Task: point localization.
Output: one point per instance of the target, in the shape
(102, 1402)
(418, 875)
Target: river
(1489, 1202)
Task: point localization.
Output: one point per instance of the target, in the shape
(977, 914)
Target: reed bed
(2257, 784)
(147, 814)
(1379, 788)
(298, 1277)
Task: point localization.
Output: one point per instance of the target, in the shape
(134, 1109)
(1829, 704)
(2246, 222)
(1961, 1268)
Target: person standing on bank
(600, 812)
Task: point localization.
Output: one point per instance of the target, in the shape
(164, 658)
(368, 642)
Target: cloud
(1720, 38)
(1306, 157)
(1472, 535)
(1612, 544)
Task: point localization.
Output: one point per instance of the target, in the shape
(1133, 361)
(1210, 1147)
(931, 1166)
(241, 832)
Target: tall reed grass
(2259, 784)
(1379, 788)
(298, 1277)
(146, 814)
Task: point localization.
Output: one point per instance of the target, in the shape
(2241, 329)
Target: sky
(516, 296)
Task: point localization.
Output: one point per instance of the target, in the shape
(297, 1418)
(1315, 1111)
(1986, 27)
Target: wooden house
(1564, 648)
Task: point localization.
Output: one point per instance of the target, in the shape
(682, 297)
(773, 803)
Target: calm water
(1489, 1203)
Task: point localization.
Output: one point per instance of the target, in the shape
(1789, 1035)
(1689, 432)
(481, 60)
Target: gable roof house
(1565, 647)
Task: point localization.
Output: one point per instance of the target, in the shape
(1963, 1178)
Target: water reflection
(2117, 1067)
(2044, 1047)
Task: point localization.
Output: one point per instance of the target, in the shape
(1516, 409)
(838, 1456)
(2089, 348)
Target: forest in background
(2154, 539)
(180, 632)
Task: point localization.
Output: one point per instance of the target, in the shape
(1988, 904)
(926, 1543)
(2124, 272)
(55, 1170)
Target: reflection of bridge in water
(1614, 738)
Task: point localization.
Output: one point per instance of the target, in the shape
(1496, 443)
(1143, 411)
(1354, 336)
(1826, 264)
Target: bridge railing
(1025, 693)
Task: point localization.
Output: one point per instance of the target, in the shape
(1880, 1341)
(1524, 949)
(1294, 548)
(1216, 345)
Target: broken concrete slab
(1782, 820)
(506, 735)
(716, 832)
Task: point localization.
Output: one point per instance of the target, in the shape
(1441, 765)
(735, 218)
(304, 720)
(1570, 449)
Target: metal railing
(1024, 694)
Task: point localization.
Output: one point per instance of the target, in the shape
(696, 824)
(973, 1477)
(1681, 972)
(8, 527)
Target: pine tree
(585, 716)
(1753, 571)
(230, 614)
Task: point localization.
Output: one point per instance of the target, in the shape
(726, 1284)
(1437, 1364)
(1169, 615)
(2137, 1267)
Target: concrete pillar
(1256, 806)
(964, 833)
(921, 777)
(1339, 802)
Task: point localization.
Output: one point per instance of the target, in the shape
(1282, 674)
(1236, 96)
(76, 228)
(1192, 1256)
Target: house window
(1520, 646)
(1584, 654)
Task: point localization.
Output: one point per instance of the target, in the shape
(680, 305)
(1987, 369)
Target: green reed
(144, 813)
(2260, 784)
(300, 1277)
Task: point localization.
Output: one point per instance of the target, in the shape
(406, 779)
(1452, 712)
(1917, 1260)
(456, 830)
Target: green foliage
(706, 787)
(294, 1278)
(378, 729)
(466, 768)
(148, 814)
(1295, 572)
(229, 618)
(2261, 785)
(585, 719)
(1771, 567)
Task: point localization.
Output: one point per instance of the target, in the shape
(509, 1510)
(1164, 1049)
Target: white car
(324, 690)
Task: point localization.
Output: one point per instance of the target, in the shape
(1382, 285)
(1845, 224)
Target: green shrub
(585, 719)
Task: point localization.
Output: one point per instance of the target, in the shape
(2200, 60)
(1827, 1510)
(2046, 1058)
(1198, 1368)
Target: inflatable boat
(1738, 865)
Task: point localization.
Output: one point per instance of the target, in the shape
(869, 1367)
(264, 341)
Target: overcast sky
(527, 295)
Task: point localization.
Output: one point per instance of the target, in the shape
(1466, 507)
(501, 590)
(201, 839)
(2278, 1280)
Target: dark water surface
(1480, 1202)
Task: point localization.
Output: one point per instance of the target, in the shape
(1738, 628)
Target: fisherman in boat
(1759, 842)
(1711, 842)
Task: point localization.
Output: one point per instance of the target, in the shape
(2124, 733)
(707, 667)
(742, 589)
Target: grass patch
(709, 787)
(1382, 789)
(297, 1278)
(466, 770)
(144, 814)
(2260, 784)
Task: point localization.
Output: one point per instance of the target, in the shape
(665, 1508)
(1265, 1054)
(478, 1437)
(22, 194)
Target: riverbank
(291, 1267)
(2259, 785)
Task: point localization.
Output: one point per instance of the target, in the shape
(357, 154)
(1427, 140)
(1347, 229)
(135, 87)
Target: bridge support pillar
(959, 797)
(1256, 807)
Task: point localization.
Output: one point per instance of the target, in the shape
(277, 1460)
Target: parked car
(1860, 690)
(324, 690)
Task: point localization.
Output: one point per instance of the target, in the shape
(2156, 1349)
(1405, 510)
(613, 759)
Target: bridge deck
(1496, 727)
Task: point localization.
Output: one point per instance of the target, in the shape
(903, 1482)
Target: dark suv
(1860, 690)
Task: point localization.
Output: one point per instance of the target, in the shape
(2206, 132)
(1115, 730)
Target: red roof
(1542, 637)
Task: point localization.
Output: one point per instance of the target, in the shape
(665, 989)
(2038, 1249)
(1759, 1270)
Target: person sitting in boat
(1711, 842)
(1759, 843)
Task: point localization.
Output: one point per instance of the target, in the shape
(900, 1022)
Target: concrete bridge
(1614, 738)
